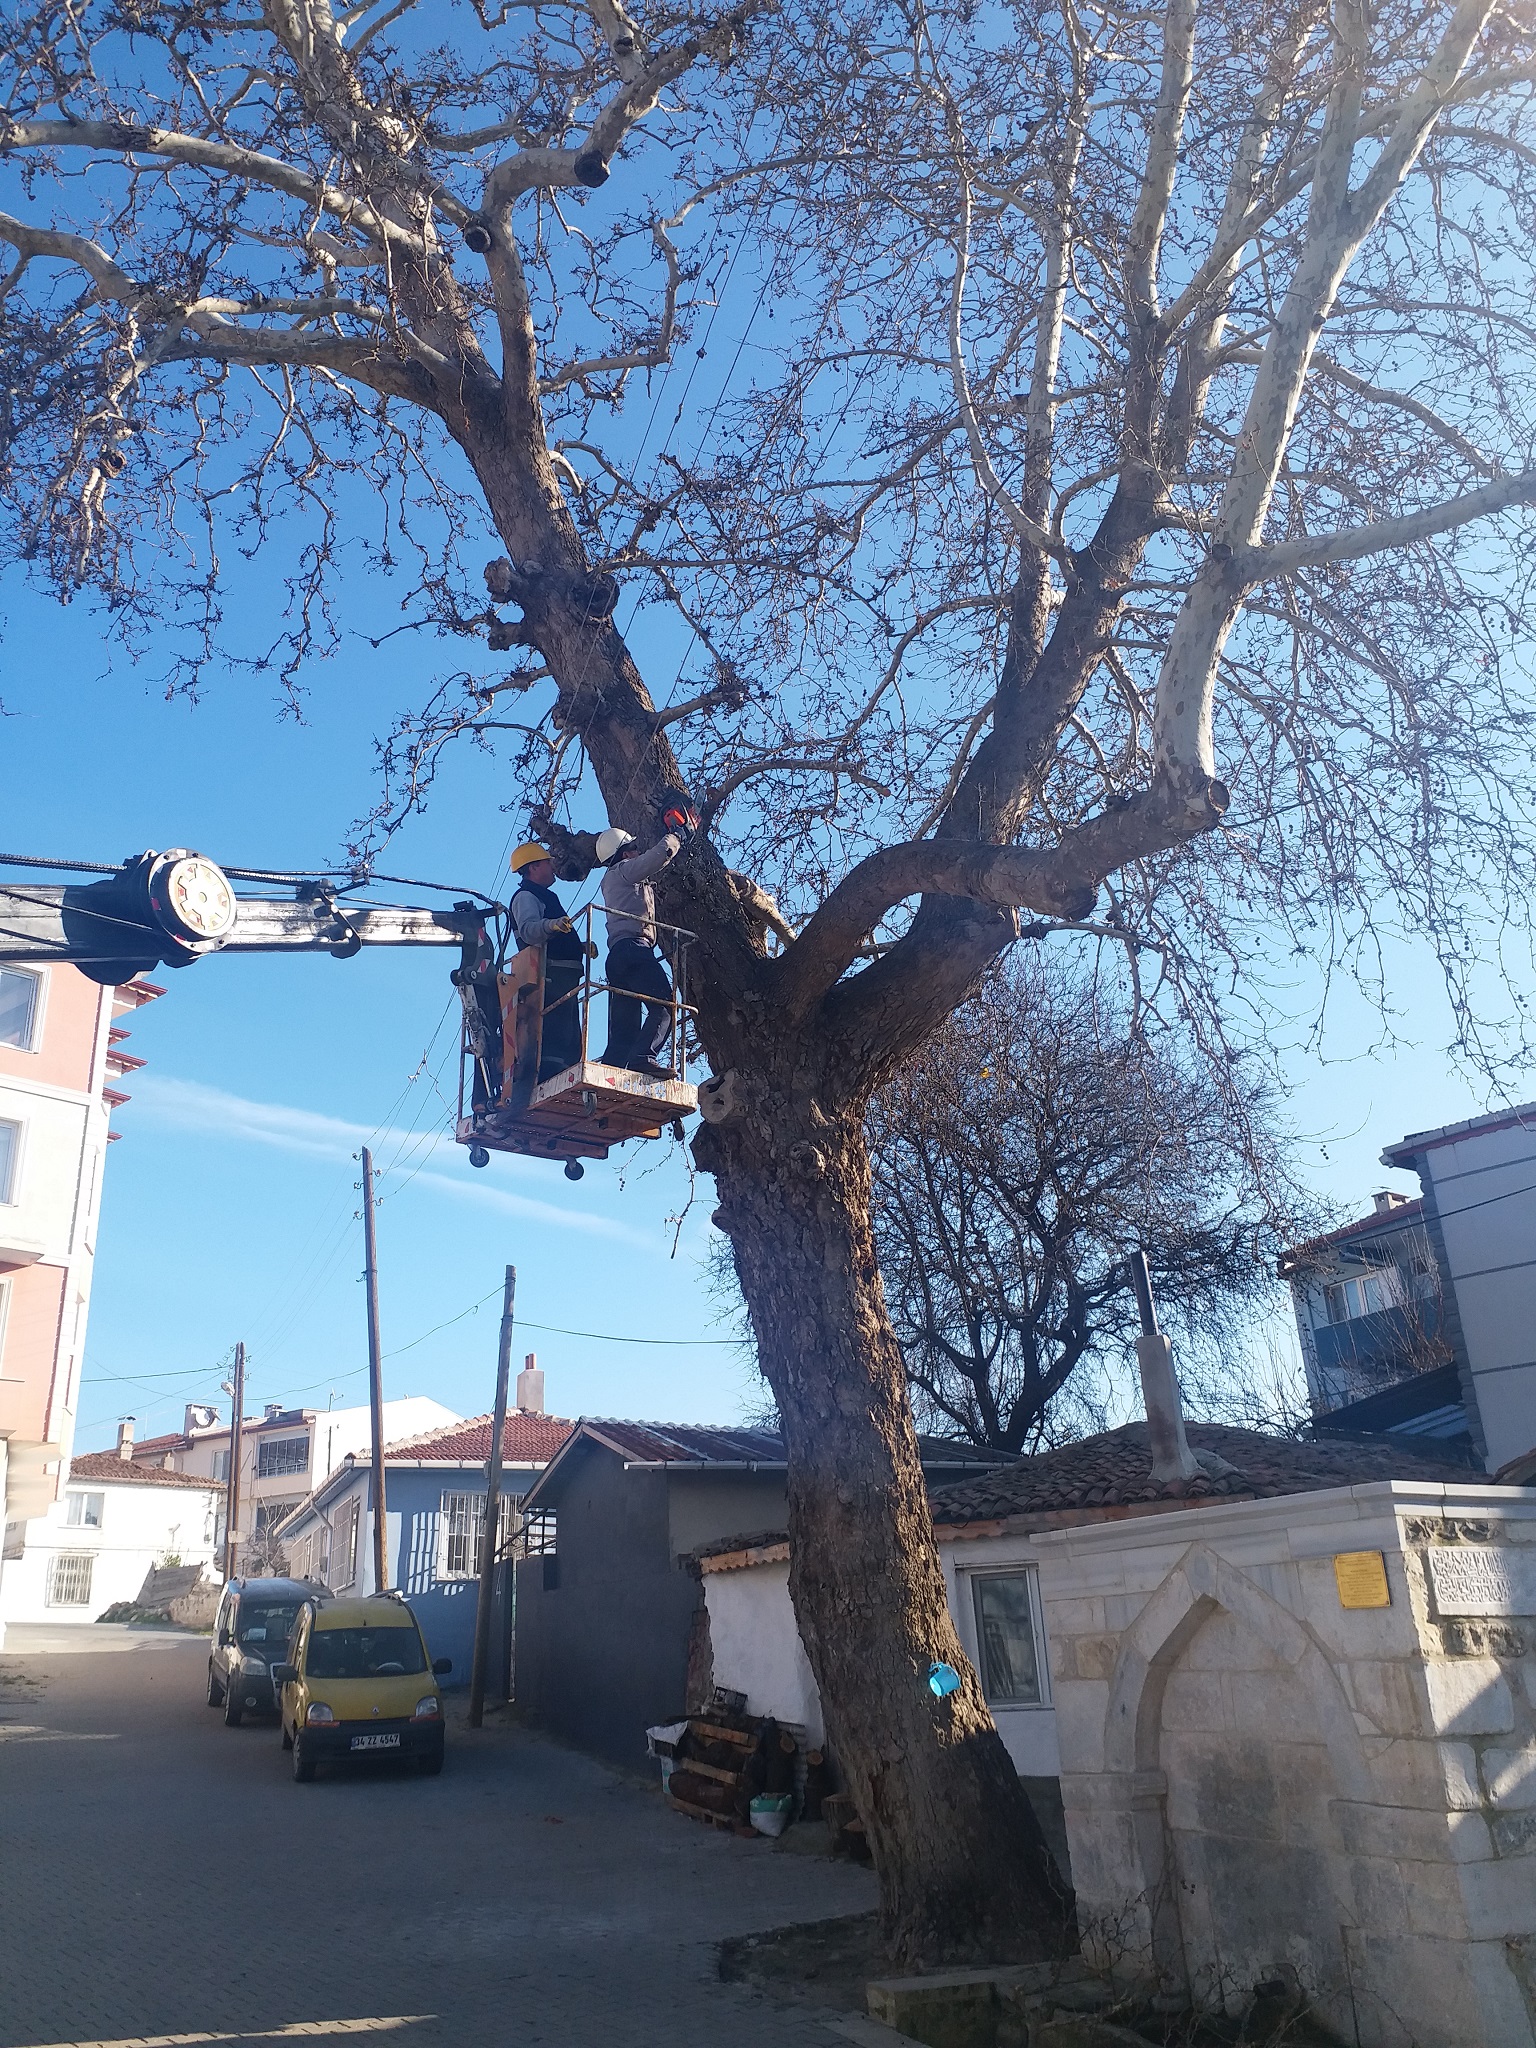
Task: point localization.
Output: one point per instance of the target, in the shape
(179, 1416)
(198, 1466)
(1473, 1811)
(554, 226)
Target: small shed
(612, 1632)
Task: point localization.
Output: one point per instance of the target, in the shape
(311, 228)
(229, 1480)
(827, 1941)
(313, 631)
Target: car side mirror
(225, 1639)
(441, 1666)
(285, 1674)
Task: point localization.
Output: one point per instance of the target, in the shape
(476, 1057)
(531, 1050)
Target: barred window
(281, 1456)
(461, 1527)
(539, 1533)
(69, 1578)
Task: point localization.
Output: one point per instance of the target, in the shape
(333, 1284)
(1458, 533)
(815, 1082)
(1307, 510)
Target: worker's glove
(591, 949)
(560, 924)
(685, 821)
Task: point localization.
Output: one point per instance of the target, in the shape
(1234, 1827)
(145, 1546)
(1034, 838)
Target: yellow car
(359, 1683)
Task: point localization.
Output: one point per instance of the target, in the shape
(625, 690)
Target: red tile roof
(108, 1465)
(1115, 1470)
(1380, 1223)
(526, 1440)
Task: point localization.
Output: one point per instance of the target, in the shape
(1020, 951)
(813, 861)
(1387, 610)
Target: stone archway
(1229, 1726)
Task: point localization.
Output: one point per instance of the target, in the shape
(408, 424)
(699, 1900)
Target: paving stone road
(161, 1875)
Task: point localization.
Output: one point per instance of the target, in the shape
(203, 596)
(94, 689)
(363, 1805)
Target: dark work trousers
(562, 1027)
(632, 971)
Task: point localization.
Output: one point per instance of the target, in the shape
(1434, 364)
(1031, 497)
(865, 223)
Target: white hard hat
(609, 842)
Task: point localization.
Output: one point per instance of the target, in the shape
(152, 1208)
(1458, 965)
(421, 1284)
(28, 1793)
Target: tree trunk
(964, 1870)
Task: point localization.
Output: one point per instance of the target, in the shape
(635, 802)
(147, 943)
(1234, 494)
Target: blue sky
(230, 1204)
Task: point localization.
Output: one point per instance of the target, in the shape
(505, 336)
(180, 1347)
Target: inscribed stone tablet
(1479, 1579)
(1361, 1577)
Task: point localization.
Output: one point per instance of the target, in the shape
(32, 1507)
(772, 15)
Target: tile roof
(525, 1440)
(108, 1465)
(1380, 1223)
(1114, 1470)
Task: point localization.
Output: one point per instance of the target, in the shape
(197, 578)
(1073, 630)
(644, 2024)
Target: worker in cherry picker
(639, 988)
(539, 919)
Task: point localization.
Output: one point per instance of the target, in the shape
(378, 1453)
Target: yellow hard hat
(527, 854)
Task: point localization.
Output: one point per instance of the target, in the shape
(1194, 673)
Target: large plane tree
(1116, 513)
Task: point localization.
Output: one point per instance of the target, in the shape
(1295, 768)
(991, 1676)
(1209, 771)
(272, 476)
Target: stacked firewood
(724, 1761)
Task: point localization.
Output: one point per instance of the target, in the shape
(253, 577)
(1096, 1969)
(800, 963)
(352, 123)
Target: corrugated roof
(123, 1471)
(682, 1443)
(1115, 1470)
(525, 1440)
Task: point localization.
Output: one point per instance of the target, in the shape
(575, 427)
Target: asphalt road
(162, 1876)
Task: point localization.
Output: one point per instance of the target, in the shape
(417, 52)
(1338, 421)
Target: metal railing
(675, 942)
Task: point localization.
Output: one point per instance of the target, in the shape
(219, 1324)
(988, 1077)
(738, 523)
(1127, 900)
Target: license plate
(375, 1742)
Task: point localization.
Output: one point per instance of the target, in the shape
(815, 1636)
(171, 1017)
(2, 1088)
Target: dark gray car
(250, 1634)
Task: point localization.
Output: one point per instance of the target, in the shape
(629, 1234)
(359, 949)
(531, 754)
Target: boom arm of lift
(173, 908)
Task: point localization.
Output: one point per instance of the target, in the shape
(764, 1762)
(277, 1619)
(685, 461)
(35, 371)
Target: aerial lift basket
(587, 1107)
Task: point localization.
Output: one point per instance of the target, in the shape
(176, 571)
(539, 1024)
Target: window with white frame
(69, 1578)
(221, 1466)
(5, 1304)
(460, 1532)
(10, 1159)
(344, 1544)
(21, 993)
(1010, 1649)
(270, 1512)
(282, 1455)
(83, 1510)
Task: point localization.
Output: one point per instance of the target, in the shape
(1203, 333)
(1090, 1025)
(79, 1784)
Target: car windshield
(266, 1628)
(364, 1653)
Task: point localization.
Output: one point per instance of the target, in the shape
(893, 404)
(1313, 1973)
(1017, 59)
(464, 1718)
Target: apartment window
(69, 1578)
(270, 1512)
(344, 1544)
(282, 1455)
(1008, 1642)
(1365, 1296)
(20, 1007)
(83, 1510)
(221, 1466)
(5, 1304)
(10, 1160)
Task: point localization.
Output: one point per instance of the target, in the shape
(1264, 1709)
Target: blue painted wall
(444, 1607)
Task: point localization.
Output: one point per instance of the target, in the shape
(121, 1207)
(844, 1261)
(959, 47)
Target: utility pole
(375, 1382)
(492, 1509)
(232, 1483)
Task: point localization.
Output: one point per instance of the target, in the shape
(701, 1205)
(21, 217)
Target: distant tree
(1032, 1143)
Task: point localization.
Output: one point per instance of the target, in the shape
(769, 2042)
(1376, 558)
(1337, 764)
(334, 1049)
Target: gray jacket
(627, 889)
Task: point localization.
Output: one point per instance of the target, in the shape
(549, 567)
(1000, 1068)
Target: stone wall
(1263, 1780)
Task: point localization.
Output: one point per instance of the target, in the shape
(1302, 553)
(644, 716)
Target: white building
(114, 1522)
(285, 1454)
(1479, 1183)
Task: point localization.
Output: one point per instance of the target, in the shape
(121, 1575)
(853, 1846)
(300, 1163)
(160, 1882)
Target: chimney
(125, 1437)
(1385, 1200)
(274, 1409)
(1173, 1462)
(530, 1387)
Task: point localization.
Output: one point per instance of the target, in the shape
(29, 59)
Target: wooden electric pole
(492, 1524)
(375, 1383)
(232, 1483)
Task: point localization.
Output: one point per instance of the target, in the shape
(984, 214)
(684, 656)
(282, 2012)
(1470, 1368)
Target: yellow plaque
(1361, 1577)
